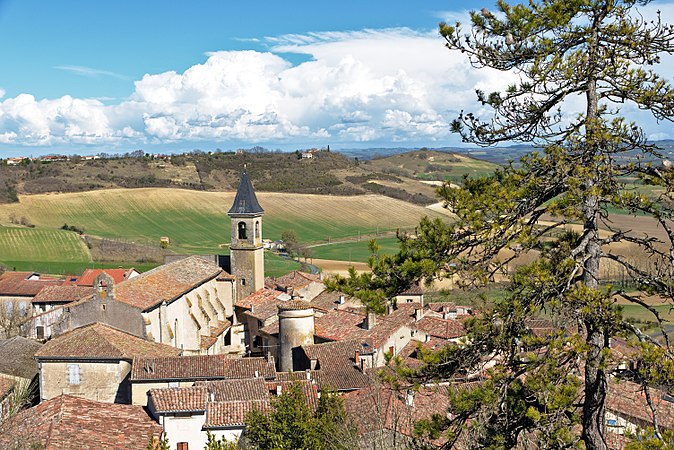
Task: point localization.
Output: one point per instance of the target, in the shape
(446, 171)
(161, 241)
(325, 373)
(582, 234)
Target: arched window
(242, 230)
(257, 230)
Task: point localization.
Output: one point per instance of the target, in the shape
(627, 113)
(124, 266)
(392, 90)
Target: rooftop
(67, 422)
(202, 367)
(117, 275)
(231, 413)
(100, 341)
(24, 284)
(296, 280)
(65, 294)
(244, 389)
(245, 201)
(17, 357)
(172, 400)
(336, 363)
(260, 297)
(441, 328)
(166, 283)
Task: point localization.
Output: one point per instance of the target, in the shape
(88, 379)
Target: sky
(167, 76)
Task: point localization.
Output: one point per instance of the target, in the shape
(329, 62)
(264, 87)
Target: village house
(17, 290)
(66, 422)
(118, 275)
(93, 362)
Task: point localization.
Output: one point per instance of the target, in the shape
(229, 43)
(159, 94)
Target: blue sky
(87, 77)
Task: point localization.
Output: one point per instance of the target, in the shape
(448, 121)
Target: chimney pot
(357, 357)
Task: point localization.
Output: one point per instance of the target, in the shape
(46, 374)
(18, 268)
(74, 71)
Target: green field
(356, 251)
(197, 221)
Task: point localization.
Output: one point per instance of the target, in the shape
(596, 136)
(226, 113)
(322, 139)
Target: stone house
(17, 290)
(89, 276)
(48, 308)
(93, 362)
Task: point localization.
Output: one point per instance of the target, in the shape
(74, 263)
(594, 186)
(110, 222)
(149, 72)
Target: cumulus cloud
(369, 86)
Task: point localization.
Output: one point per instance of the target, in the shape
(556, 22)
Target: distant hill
(325, 172)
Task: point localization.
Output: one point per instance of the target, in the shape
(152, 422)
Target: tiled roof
(89, 275)
(297, 280)
(336, 363)
(166, 283)
(414, 289)
(309, 388)
(338, 325)
(102, 341)
(264, 311)
(244, 389)
(6, 385)
(186, 399)
(541, 327)
(200, 368)
(16, 284)
(442, 328)
(442, 306)
(66, 422)
(245, 201)
(232, 413)
(628, 400)
(390, 323)
(260, 297)
(65, 293)
(327, 301)
(17, 357)
(380, 407)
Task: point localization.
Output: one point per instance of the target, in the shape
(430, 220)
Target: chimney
(257, 374)
(356, 357)
(409, 398)
(341, 299)
(308, 372)
(290, 291)
(418, 314)
(279, 389)
(390, 308)
(211, 396)
(370, 320)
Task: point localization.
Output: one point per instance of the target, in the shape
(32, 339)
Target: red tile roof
(244, 389)
(628, 400)
(231, 413)
(414, 289)
(442, 328)
(203, 367)
(16, 284)
(166, 283)
(215, 332)
(89, 275)
(65, 294)
(98, 340)
(296, 280)
(336, 363)
(67, 422)
(260, 297)
(172, 400)
(6, 385)
(338, 325)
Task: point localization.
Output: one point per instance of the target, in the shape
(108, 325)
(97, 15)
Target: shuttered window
(73, 374)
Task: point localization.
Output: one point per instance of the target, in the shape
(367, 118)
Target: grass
(197, 221)
(356, 251)
(276, 266)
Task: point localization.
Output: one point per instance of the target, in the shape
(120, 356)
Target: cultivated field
(355, 251)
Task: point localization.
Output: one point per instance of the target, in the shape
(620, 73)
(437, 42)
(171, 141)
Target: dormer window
(242, 230)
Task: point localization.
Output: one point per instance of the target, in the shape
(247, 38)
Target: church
(187, 303)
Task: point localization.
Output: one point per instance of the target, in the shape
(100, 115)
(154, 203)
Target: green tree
(291, 423)
(597, 53)
(290, 241)
(212, 443)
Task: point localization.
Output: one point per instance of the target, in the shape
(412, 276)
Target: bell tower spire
(246, 249)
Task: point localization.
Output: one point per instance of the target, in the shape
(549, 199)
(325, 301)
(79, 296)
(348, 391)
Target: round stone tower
(296, 328)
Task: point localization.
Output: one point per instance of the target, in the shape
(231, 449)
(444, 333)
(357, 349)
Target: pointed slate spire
(245, 201)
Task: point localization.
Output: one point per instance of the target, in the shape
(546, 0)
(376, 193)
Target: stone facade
(99, 380)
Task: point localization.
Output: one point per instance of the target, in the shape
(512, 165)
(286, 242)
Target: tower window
(257, 230)
(243, 281)
(242, 230)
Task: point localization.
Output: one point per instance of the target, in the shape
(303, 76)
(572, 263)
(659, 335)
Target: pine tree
(598, 53)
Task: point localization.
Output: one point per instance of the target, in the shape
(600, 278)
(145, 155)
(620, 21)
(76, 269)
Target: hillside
(326, 173)
(124, 225)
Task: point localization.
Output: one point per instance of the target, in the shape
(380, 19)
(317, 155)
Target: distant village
(191, 347)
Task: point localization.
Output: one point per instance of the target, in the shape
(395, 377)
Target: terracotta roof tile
(17, 357)
(243, 389)
(414, 289)
(166, 283)
(336, 363)
(338, 325)
(260, 297)
(442, 328)
(629, 401)
(186, 399)
(89, 275)
(232, 413)
(65, 294)
(67, 422)
(215, 332)
(296, 280)
(17, 284)
(294, 305)
(102, 341)
(328, 301)
(202, 367)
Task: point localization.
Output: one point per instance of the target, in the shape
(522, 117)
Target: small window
(73, 374)
(612, 423)
(243, 281)
(39, 330)
(182, 446)
(257, 230)
(242, 230)
(103, 306)
(228, 337)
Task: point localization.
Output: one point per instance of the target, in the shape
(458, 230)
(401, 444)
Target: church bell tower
(246, 250)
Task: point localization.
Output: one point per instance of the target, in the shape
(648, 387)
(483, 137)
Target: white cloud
(383, 86)
(2, 92)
